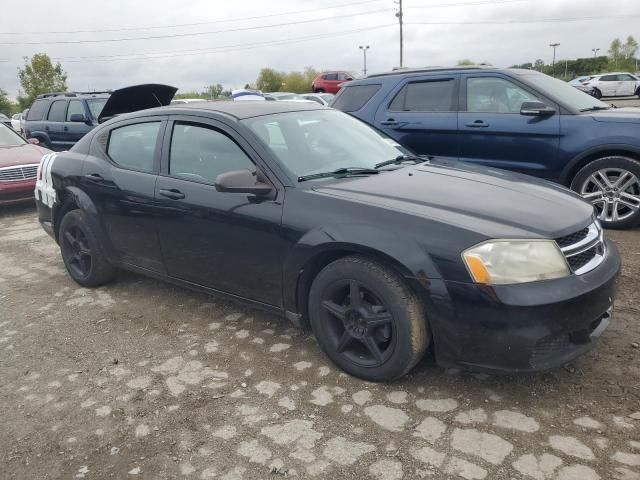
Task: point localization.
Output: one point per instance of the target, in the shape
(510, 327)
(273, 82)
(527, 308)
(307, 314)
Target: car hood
(491, 202)
(626, 114)
(137, 97)
(21, 155)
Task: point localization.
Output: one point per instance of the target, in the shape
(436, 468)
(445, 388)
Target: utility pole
(399, 15)
(595, 52)
(364, 52)
(553, 64)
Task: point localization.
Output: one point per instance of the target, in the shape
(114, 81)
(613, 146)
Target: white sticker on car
(44, 184)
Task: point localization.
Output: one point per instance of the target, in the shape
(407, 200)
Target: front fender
(41, 135)
(570, 169)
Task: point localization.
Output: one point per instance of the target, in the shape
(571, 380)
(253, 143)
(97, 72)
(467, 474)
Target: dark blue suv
(59, 120)
(518, 120)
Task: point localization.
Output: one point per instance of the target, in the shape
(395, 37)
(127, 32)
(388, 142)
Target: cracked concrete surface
(142, 379)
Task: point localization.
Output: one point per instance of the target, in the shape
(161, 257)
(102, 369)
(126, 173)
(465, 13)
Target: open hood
(137, 97)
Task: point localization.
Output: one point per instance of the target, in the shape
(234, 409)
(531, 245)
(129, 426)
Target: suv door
(119, 175)
(608, 85)
(74, 131)
(54, 124)
(626, 85)
(421, 113)
(494, 133)
(230, 242)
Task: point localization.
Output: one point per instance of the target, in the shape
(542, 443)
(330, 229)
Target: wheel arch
(580, 161)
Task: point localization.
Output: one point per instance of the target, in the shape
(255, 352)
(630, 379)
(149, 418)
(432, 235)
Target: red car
(329, 82)
(19, 160)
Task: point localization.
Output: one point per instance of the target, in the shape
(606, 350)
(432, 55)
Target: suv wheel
(319, 90)
(596, 93)
(367, 320)
(81, 251)
(612, 185)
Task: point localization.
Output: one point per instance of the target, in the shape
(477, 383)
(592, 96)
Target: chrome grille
(584, 249)
(18, 173)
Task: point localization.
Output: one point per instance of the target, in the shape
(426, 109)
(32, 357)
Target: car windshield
(562, 90)
(9, 138)
(318, 141)
(96, 105)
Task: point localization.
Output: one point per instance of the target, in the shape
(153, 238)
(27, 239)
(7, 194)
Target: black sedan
(305, 211)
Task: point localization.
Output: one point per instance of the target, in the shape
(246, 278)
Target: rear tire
(596, 93)
(612, 185)
(319, 90)
(378, 336)
(82, 252)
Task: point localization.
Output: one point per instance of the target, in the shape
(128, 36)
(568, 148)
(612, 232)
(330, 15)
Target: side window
(201, 153)
(75, 107)
(609, 78)
(352, 99)
(431, 96)
(625, 78)
(331, 76)
(134, 146)
(57, 111)
(495, 95)
(38, 110)
(343, 76)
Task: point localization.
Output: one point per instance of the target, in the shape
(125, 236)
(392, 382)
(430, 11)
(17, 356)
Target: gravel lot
(140, 379)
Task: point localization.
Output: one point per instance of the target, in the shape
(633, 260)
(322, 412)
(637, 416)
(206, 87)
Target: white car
(616, 84)
(15, 122)
(321, 98)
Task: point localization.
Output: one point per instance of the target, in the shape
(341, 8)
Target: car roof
(81, 95)
(406, 71)
(238, 110)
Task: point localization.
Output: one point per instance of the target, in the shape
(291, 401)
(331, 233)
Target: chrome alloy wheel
(614, 192)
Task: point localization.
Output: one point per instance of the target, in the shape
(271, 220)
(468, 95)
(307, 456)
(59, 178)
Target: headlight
(501, 262)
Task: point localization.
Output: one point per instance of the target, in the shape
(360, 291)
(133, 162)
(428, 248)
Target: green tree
(270, 80)
(538, 65)
(40, 75)
(466, 61)
(615, 50)
(296, 82)
(7, 106)
(310, 74)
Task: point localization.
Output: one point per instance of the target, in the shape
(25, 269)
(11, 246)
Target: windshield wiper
(591, 109)
(402, 158)
(340, 172)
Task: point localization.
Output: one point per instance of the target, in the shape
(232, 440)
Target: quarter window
(495, 95)
(38, 110)
(57, 111)
(134, 146)
(431, 96)
(351, 99)
(200, 153)
(75, 107)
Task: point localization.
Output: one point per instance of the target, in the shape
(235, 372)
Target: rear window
(38, 110)
(432, 96)
(351, 99)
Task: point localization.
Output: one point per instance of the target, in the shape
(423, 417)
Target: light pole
(364, 52)
(553, 64)
(595, 52)
(399, 15)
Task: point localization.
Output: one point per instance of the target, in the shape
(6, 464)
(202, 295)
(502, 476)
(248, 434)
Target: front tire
(612, 185)
(367, 319)
(81, 251)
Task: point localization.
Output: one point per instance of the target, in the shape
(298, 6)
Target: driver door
(230, 242)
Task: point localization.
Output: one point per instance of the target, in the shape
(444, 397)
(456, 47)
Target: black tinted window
(38, 110)
(609, 78)
(351, 99)
(75, 108)
(133, 146)
(331, 76)
(201, 153)
(434, 96)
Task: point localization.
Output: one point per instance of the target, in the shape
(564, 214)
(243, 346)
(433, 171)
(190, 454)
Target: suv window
(201, 153)
(495, 95)
(343, 76)
(38, 110)
(75, 107)
(57, 111)
(134, 146)
(351, 99)
(429, 96)
(331, 76)
(625, 77)
(609, 78)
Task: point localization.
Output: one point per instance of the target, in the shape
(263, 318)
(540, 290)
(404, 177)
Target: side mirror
(241, 181)
(77, 118)
(33, 141)
(536, 109)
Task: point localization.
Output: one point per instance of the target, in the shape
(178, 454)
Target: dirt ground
(140, 379)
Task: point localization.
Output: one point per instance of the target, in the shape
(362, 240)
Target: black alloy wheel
(77, 252)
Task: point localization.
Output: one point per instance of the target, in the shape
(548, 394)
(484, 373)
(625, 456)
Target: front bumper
(16, 192)
(527, 327)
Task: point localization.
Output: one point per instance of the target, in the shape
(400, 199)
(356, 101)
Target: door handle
(94, 177)
(173, 194)
(66, 129)
(389, 123)
(477, 124)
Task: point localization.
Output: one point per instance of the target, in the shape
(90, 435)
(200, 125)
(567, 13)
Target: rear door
(120, 177)
(54, 124)
(494, 133)
(421, 113)
(74, 131)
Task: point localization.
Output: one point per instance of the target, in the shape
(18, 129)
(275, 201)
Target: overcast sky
(221, 44)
